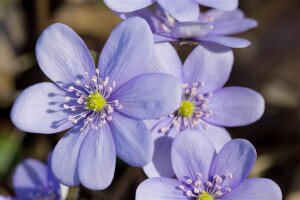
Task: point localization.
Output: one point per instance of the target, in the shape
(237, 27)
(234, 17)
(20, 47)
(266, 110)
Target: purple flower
(204, 174)
(104, 107)
(34, 180)
(187, 10)
(212, 26)
(206, 105)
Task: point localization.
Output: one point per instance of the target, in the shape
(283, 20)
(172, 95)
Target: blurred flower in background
(35, 180)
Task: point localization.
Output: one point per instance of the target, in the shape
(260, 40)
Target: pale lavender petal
(255, 188)
(97, 159)
(159, 38)
(127, 5)
(30, 178)
(208, 63)
(127, 52)
(216, 16)
(235, 159)
(217, 135)
(233, 27)
(235, 106)
(149, 96)
(161, 164)
(187, 30)
(147, 14)
(39, 109)
(166, 60)
(227, 5)
(62, 55)
(65, 156)
(192, 153)
(160, 189)
(187, 10)
(232, 42)
(132, 139)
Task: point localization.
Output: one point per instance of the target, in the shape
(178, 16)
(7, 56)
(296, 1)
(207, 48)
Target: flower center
(95, 102)
(90, 101)
(205, 196)
(186, 108)
(192, 111)
(206, 190)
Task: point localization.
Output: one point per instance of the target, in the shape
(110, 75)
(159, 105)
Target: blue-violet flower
(33, 180)
(182, 10)
(212, 26)
(206, 105)
(204, 174)
(104, 107)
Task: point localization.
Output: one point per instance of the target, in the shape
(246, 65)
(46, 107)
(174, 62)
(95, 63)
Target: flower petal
(39, 109)
(149, 96)
(187, 10)
(255, 188)
(132, 139)
(217, 16)
(65, 156)
(188, 30)
(30, 178)
(236, 158)
(159, 38)
(147, 14)
(62, 55)
(97, 159)
(166, 60)
(127, 5)
(233, 26)
(227, 5)
(161, 163)
(192, 152)
(232, 42)
(160, 189)
(217, 135)
(235, 106)
(208, 63)
(127, 52)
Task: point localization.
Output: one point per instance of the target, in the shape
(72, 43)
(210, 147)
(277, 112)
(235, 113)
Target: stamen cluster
(193, 109)
(89, 100)
(209, 190)
(168, 22)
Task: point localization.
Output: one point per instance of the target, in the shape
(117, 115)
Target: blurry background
(271, 65)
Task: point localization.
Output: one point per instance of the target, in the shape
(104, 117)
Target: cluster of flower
(143, 105)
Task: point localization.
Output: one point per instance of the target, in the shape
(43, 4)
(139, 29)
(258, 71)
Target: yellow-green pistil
(186, 109)
(95, 102)
(205, 196)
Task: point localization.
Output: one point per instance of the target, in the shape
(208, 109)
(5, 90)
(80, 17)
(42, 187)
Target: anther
(77, 82)
(189, 181)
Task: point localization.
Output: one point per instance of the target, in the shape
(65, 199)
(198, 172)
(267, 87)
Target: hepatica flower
(33, 180)
(212, 26)
(206, 105)
(104, 107)
(204, 174)
(182, 10)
